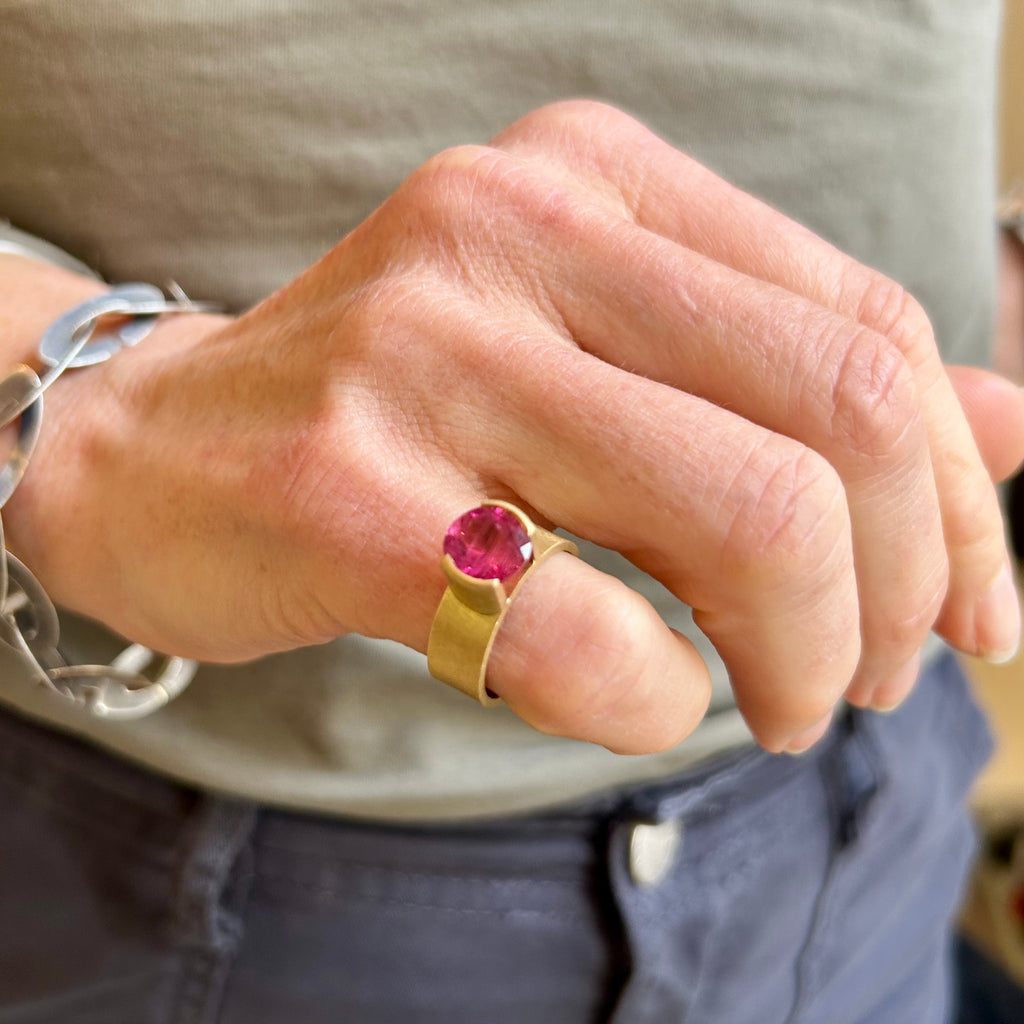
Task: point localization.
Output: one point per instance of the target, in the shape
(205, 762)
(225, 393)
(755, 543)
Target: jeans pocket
(902, 844)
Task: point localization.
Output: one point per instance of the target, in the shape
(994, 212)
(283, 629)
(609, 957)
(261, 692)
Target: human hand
(586, 322)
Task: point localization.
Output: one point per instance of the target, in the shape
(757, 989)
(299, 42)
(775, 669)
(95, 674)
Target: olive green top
(229, 144)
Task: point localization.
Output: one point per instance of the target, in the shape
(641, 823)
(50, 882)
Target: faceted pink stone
(488, 543)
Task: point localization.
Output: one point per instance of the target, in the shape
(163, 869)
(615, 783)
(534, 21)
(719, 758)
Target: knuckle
(493, 216)
(875, 406)
(786, 711)
(613, 683)
(918, 614)
(613, 647)
(889, 309)
(612, 148)
(976, 531)
(790, 516)
(574, 117)
(812, 706)
(450, 184)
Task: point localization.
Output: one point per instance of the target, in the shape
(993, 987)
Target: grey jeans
(775, 890)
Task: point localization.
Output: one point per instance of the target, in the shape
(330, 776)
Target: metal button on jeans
(653, 850)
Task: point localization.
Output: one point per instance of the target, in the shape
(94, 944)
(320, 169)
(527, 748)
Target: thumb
(994, 407)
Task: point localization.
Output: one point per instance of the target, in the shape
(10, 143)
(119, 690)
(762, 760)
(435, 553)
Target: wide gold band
(471, 611)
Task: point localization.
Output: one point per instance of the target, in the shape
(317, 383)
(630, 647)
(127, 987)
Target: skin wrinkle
(970, 537)
(547, 143)
(420, 404)
(495, 191)
(536, 255)
(815, 402)
(658, 270)
(713, 321)
(554, 214)
(779, 525)
(915, 624)
(967, 533)
(889, 309)
(874, 402)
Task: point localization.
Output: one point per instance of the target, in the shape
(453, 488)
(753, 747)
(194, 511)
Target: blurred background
(1012, 77)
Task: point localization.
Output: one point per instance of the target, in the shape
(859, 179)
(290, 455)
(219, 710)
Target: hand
(582, 320)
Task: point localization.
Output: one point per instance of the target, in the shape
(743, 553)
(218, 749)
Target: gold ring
(488, 552)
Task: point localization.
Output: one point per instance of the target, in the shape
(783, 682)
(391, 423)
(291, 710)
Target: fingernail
(997, 620)
(803, 741)
(891, 694)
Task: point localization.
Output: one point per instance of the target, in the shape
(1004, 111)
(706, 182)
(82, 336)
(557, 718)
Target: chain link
(137, 681)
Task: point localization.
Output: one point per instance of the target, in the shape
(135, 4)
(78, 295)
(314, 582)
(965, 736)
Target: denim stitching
(361, 897)
(413, 874)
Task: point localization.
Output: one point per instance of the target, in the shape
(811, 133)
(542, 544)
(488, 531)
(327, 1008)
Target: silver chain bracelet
(138, 681)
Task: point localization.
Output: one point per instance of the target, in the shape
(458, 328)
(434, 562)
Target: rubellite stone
(489, 543)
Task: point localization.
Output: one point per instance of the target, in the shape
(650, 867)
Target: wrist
(32, 295)
(80, 408)
(47, 498)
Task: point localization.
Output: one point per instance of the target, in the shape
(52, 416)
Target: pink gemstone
(489, 543)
